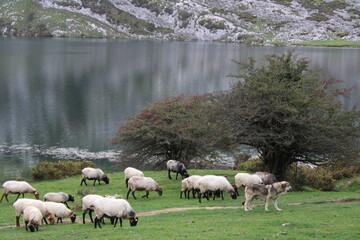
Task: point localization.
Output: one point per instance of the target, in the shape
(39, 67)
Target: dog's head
(284, 186)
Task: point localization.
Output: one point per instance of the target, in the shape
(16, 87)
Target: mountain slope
(250, 21)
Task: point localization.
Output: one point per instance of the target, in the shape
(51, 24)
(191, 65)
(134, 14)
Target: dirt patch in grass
(180, 209)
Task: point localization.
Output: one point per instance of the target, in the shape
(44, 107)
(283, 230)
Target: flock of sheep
(53, 205)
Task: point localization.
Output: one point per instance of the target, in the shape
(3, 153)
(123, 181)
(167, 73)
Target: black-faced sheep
(113, 208)
(88, 200)
(147, 184)
(59, 197)
(21, 204)
(18, 187)
(211, 183)
(267, 178)
(130, 172)
(178, 167)
(94, 174)
(60, 211)
(32, 218)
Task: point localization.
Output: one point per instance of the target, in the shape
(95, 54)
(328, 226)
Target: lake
(66, 98)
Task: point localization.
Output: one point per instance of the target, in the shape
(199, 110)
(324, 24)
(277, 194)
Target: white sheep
(60, 211)
(137, 183)
(33, 217)
(88, 200)
(246, 179)
(130, 172)
(21, 204)
(211, 183)
(94, 174)
(113, 208)
(190, 183)
(178, 167)
(59, 197)
(18, 187)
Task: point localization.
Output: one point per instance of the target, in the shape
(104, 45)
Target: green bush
(253, 165)
(302, 176)
(60, 169)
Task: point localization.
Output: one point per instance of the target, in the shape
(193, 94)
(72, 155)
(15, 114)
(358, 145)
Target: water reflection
(61, 93)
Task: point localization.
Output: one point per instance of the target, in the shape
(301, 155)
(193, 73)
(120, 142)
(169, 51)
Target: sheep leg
(90, 214)
(133, 193)
(222, 195)
(26, 227)
(95, 182)
(146, 195)
(199, 197)
(169, 174)
(120, 222)
(126, 182)
(116, 220)
(17, 221)
(45, 221)
(83, 181)
(177, 175)
(23, 195)
(4, 195)
(181, 192)
(66, 205)
(97, 222)
(17, 197)
(127, 195)
(84, 213)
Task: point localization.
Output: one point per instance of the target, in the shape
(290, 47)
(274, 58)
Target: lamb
(33, 216)
(178, 167)
(113, 208)
(88, 200)
(267, 178)
(59, 197)
(130, 172)
(190, 183)
(21, 204)
(19, 187)
(60, 211)
(211, 183)
(137, 183)
(246, 179)
(94, 174)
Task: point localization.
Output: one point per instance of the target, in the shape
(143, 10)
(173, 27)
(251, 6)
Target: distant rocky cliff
(265, 22)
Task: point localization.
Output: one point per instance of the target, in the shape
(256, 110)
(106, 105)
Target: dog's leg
(276, 206)
(267, 204)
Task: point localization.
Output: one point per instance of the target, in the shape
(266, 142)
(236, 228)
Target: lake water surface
(65, 99)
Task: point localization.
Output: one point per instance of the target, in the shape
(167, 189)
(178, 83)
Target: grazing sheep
(19, 187)
(178, 167)
(59, 197)
(137, 183)
(33, 216)
(130, 172)
(88, 200)
(113, 208)
(60, 211)
(267, 178)
(190, 183)
(21, 204)
(94, 174)
(246, 179)
(211, 183)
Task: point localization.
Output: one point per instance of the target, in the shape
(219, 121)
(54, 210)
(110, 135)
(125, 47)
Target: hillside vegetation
(270, 22)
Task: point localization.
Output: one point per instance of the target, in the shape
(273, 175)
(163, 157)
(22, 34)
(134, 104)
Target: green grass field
(330, 43)
(305, 215)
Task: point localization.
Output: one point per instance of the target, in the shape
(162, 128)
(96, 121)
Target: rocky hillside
(265, 22)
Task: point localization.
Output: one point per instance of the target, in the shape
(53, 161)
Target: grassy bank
(305, 215)
(331, 43)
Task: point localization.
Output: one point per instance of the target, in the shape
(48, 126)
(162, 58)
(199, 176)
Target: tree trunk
(276, 163)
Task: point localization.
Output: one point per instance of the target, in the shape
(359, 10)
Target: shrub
(49, 170)
(301, 176)
(253, 165)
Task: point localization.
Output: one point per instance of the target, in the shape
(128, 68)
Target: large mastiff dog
(266, 193)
